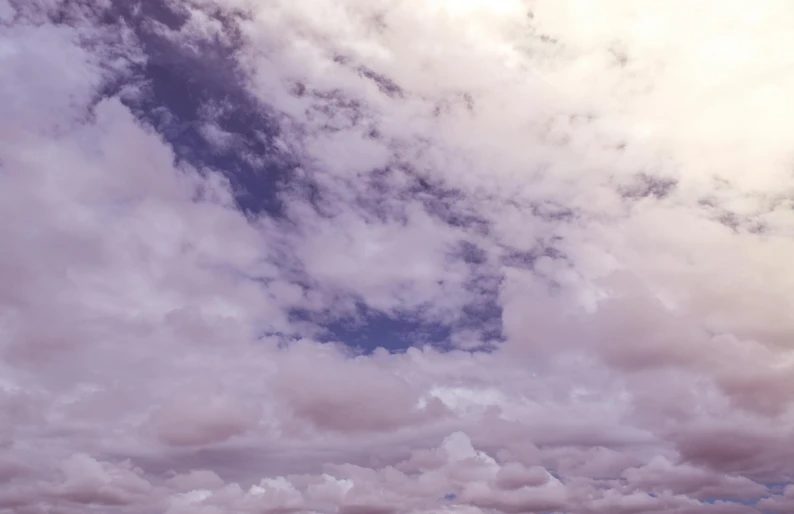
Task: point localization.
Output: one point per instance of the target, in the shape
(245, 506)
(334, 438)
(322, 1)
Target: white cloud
(619, 175)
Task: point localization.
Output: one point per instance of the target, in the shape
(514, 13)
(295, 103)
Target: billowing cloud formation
(357, 257)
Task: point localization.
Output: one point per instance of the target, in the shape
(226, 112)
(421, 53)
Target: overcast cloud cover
(384, 257)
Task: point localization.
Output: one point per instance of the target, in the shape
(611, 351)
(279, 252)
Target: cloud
(197, 418)
(347, 395)
(587, 205)
(87, 481)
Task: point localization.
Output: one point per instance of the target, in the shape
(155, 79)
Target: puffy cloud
(590, 202)
(90, 482)
(350, 395)
(660, 475)
(194, 418)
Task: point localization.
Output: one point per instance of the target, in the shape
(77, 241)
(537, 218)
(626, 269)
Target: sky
(396, 257)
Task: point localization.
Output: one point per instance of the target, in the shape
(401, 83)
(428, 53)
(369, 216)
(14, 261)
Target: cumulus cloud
(229, 228)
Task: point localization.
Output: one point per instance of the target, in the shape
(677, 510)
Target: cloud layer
(370, 257)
